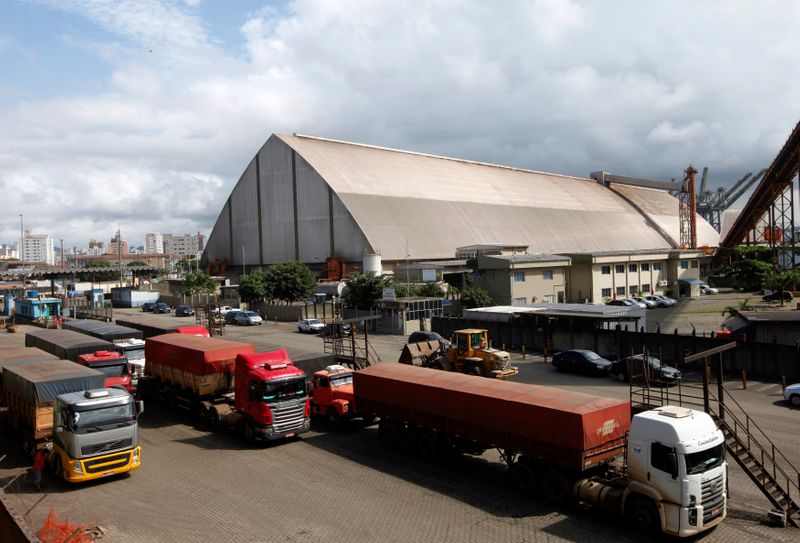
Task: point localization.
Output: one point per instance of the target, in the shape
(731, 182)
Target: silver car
(245, 318)
(792, 394)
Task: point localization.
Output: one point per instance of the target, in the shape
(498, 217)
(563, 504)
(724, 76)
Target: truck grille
(108, 446)
(107, 463)
(287, 417)
(713, 498)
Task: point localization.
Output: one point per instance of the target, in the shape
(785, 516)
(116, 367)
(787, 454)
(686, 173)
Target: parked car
(148, 306)
(230, 316)
(225, 309)
(636, 303)
(659, 372)
(247, 318)
(581, 361)
(310, 325)
(649, 304)
(184, 311)
(336, 329)
(661, 300)
(621, 302)
(705, 289)
(161, 307)
(792, 394)
(777, 296)
(426, 335)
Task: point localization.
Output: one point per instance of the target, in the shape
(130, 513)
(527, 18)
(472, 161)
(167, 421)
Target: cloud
(158, 140)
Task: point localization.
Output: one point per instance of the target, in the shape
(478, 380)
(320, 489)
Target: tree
(363, 290)
(475, 297)
(781, 280)
(749, 274)
(734, 310)
(291, 281)
(431, 289)
(253, 287)
(199, 283)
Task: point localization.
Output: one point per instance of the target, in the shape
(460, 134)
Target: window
(663, 458)
(519, 277)
(631, 267)
(656, 266)
(620, 291)
(549, 299)
(620, 268)
(606, 293)
(519, 301)
(694, 263)
(646, 288)
(605, 270)
(633, 290)
(684, 265)
(547, 274)
(645, 266)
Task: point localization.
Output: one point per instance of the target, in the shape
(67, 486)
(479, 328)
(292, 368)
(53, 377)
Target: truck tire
(408, 440)
(643, 514)
(555, 486)
(214, 418)
(389, 434)
(333, 418)
(55, 467)
(248, 429)
(523, 477)
(428, 448)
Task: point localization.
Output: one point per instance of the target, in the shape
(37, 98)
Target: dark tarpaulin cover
(12, 354)
(195, 354)
(40, 382)
(150, 326)
(66, 344)
(103, 330)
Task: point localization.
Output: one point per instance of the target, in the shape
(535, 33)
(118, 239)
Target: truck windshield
(115, 370)
(93, 420)
(705, 460)
(285, 390)
(135, 353)
(343, 379)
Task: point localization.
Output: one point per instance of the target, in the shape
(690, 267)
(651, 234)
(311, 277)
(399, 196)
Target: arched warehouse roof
(306, 198)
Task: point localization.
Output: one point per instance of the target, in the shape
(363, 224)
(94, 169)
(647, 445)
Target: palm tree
(732, 310)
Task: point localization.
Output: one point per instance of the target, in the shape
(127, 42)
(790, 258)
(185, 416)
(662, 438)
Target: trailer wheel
(643, 515)
(428, 448)
(523, 477)
(389, 434)
(555, 486)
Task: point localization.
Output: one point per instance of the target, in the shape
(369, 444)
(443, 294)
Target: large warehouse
(308, 198)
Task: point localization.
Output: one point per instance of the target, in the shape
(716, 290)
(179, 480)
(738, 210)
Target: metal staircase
(745, 441)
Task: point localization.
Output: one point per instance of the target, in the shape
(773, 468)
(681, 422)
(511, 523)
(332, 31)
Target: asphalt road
(342, 486)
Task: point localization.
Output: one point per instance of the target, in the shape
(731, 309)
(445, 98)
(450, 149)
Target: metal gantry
(687, 210)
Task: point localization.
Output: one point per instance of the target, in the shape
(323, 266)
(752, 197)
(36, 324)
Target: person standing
(38, 467)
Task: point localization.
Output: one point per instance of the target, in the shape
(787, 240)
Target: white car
(310, 325)
(705, 289)
(637, 303)
(648, 303)
(225, 309)
(792, 394)
(244, 318)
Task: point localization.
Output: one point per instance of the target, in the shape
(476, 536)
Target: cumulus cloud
(567, 86)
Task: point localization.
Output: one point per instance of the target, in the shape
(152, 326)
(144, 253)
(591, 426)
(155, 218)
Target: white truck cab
(676, 461)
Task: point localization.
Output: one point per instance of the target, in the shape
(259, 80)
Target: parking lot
(195, 485)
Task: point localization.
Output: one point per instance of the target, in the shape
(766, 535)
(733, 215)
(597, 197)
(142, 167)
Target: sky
(142, 115)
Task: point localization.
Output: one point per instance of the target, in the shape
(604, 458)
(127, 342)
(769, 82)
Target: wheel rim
(620, 378)
(795, 400)
(249, 431)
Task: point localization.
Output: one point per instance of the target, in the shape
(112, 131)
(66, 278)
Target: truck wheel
(408, 440)
(55, 467)
(524, 478)
(427, 447)
(249, 430)
(389, 434)
(555, 487)
(333, 418)
(644, 516)
(214, 418)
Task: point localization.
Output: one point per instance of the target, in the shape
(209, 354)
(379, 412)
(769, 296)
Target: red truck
(332, 396)
(227, 384)
(113, 365)
(561, 445)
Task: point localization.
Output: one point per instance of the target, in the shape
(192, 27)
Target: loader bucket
(417, 354)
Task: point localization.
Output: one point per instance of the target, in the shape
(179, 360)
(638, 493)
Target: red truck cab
(272, 394)
(332, 395)
(113, 365)
(193, 331)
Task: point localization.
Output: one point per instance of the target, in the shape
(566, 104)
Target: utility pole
(21, 250)
(119, 255)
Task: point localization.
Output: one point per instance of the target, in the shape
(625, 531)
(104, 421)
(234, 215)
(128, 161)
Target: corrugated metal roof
(436, 204)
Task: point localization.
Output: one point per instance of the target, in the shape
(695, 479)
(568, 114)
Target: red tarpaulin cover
(195, 354)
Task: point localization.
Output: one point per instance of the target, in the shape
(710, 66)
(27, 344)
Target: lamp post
(21, 250)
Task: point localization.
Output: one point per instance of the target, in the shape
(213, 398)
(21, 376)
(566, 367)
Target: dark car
(581, 361)
(184, 311)
(161, 307)
(148, 306)
(658, 372)
(623, 302)
(425, 335)
(230, 316)
(336, 329)
(785, 295)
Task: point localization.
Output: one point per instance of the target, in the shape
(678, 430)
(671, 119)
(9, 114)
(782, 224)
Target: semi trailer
(66, 344)
(663, 470)
(91, 431)
(128, 341)
(263, 396)
(12, 356)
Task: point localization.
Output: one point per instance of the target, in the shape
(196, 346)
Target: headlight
(135, 456)
(693, 517)
(77, 470)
